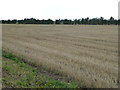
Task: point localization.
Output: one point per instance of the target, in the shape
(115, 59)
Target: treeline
(86, 21)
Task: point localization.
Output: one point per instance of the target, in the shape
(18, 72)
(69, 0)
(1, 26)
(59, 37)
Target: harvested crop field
(85, 54)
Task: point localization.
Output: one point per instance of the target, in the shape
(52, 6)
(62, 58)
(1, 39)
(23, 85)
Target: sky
(58, 9)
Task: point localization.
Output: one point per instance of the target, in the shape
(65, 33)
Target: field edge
(50, 82)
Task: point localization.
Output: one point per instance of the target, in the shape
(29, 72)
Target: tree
(111, 20)
(93, 21)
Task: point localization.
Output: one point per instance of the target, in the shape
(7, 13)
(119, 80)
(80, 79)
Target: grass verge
(18, 74)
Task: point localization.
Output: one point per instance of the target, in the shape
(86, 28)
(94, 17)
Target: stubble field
(85, 54)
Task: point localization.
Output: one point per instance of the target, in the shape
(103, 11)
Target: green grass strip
(18, 74)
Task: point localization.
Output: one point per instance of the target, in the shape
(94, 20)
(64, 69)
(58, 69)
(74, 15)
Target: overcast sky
(58, 9)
